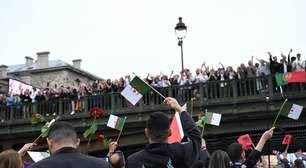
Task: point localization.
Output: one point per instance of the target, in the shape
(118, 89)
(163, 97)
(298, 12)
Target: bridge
(247, 106)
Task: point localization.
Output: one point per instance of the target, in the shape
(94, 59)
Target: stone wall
(62, 77)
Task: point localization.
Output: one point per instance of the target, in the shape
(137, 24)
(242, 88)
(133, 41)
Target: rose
(97, 112)
(100, 137)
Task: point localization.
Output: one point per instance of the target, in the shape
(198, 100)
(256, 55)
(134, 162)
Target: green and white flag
(116, 122)
(212, 118)
(134, 91)
(292, 111)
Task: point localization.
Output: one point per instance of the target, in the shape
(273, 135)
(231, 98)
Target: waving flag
(177, 132)
(245, 141)
(134, 91)
(116, 122)
(287, 139)
(290, 77)
(292, 111)
(212, 118)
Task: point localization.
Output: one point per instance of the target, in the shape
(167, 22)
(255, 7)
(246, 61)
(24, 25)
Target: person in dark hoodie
(158, 153)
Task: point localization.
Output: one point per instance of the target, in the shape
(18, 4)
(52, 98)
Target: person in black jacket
(274, 65)
(237, 154)
(158, 153)
(63, 143)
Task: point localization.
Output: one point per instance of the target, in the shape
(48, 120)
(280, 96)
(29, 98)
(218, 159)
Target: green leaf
(90, 131)
(201, 122)
(44, 131)
(86, 133)
(106, 142)
(93, 128)
(34, 122)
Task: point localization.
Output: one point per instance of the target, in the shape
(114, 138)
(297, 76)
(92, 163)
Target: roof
(53, 65)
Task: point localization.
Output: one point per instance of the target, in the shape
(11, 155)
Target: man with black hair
(158, 153)
(63, 143)
(237, 154)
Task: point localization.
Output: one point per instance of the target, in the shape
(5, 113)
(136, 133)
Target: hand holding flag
(172, 102)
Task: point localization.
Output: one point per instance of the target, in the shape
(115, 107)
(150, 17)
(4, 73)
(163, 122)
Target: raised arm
(289, 55)
(221, 65)
(270, 56)
(192, 146)
(255, 154)
(203, 65)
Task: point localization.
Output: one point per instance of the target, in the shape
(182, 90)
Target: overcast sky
(118, 37)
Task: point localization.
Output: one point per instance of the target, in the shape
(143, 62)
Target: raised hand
(172, 102)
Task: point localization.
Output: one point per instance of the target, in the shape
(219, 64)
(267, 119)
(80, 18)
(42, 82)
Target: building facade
(44, 73)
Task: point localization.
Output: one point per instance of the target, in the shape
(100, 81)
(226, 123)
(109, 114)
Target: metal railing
(227, 91)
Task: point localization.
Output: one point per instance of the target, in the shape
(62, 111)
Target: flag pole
(202, 132)
(286, 150)
(37, 138)
(151, 87)
(280, 110)
(191, 106)
(120, 131)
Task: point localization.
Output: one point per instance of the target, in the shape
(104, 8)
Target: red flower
(200, 115)
(100, 137)
(34, 116)
(97, 112)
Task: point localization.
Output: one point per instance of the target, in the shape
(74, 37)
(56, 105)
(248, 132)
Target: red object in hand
(245, 141)
(97, 112)
(100, 137)
(287, 139)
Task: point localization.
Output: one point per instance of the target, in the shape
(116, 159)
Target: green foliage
(201, 122)
(90, 131)
(106, 142)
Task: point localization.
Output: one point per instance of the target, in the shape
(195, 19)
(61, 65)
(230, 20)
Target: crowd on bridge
(191, 152)
(215, 83)
(186, 77)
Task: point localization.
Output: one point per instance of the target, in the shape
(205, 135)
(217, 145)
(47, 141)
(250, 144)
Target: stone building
(44, 73)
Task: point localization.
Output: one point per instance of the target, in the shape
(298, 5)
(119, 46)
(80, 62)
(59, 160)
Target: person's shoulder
(42, 163)
(95, 160)
(136, 155)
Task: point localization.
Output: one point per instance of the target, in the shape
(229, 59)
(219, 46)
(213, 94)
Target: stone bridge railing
(204, 94)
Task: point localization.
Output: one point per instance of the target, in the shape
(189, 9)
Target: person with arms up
(158, 153)
(63, 143)
(237, 154)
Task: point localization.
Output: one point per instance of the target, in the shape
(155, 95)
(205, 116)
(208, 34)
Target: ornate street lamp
(180, 31)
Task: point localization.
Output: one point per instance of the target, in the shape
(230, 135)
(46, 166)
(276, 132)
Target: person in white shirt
(183, 79)
(199, 77)
(164, 82)
(298, 65)
(263, 68)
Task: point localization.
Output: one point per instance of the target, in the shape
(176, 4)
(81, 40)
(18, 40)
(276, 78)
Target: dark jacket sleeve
(252, 159)
(192, 133)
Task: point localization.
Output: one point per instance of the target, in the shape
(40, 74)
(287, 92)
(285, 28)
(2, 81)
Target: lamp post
(180, 31)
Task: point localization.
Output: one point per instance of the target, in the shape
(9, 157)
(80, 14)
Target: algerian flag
(292, 111)
(116, 122)
(212, 118)
(134, 91)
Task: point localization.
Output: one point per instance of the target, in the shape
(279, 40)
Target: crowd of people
(191, 152)
(203, 74)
